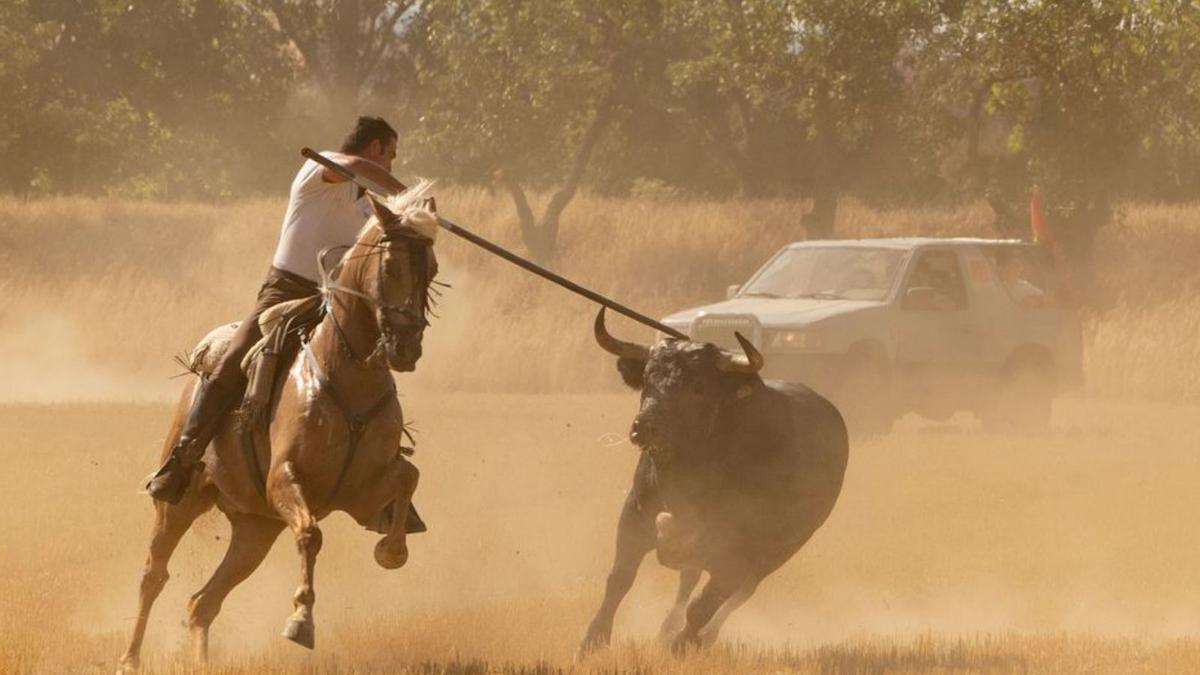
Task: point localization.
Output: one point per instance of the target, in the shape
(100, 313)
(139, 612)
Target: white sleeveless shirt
(319, 214)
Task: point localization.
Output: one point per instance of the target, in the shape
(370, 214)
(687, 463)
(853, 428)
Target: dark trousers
(279, 286)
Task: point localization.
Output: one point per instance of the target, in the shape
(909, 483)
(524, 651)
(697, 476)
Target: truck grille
(719, 330)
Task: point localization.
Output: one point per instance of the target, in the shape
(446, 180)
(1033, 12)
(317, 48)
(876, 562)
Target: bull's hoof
(672, 625)
(682, 643)
(300, 632)
(391, 552)
(128, 665)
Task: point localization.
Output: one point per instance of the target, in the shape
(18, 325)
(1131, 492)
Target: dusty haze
(950, 550)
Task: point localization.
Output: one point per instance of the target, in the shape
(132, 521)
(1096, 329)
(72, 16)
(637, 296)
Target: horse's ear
(382, 212)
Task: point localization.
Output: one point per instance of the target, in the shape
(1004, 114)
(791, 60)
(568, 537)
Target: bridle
(330, 288)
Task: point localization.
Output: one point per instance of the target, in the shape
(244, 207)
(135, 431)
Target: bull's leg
(701, 610)
(170, 524)
(710, 631)
(392, 551)
(635, 538)
(249, 542)
(294, 509)
(688, 578)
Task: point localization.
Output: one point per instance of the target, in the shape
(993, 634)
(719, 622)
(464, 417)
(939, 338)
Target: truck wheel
(865, 396)
(1023, 401)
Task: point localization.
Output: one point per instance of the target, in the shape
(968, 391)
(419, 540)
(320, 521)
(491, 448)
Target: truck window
(936, 283)
(827, 272)
(1026, 275)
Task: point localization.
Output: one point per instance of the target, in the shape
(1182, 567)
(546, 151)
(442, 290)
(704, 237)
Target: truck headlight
(795, 340)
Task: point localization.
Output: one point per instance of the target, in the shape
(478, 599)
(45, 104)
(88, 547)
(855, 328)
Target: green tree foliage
(1089, 100)
(891, 101)
(350, 51)
(151, 98)
(523, 92)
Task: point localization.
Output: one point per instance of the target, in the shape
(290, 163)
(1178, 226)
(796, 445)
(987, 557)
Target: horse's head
(402, 280)
(391, 269)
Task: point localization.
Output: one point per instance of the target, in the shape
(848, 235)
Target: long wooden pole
(513, 258)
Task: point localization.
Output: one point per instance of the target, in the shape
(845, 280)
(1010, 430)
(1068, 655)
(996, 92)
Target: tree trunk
(818, 223)
(1076, 226)
(541, 236)
(826, 185)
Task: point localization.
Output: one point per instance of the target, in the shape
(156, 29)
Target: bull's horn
(750, 362)
(610, 344)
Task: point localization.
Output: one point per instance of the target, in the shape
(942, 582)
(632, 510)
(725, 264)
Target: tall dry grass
(96, 295)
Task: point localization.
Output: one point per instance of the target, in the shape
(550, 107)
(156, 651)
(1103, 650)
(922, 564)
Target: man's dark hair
(368, 129)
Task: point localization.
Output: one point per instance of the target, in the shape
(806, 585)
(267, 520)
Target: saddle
(283, 327)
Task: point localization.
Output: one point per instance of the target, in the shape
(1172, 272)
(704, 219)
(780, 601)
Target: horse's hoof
(300, 632)
(127, 665)
(391, 554)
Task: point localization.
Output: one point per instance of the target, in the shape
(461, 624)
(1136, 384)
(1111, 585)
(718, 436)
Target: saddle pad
(207, 353)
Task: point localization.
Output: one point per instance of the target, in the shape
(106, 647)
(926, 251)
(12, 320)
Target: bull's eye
(698, 387)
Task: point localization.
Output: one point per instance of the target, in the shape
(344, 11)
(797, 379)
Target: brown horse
(332, 443)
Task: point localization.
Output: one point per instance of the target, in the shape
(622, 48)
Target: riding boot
(172, 479)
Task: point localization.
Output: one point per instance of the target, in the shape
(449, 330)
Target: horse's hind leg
(291, 504)
(250, 540)
(170, 524)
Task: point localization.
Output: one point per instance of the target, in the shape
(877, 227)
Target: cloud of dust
(49, 361)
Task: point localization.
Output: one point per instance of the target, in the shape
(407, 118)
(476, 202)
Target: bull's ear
(632, 372)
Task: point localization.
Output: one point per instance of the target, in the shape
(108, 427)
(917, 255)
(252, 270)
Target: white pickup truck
(883, 327)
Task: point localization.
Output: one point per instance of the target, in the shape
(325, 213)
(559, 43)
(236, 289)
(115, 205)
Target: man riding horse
(324, 210)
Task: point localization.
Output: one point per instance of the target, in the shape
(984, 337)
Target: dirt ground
(950, 551)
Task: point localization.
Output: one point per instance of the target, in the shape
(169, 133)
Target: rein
(329, 288)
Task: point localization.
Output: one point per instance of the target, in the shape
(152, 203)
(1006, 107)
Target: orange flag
(1042, 235)
(1037, 220)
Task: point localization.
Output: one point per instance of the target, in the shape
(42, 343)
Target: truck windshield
(834, 273)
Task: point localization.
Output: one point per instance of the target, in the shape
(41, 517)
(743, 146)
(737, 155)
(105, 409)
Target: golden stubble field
(950, 551)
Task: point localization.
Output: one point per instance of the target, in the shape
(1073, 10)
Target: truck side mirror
(731, 291)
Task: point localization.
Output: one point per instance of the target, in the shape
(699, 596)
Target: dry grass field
(950, 551)
(95, 294)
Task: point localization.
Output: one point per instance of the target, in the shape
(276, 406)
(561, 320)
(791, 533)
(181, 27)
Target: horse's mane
(412, 206)
(409, 205)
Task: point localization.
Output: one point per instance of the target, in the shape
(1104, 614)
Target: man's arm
(362, 167)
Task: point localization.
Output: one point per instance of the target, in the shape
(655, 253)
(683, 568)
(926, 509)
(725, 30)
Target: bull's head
(685, 385)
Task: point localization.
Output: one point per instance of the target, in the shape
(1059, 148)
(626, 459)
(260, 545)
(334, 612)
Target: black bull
(735, 475)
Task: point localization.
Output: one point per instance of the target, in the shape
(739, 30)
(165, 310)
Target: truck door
(936, 330)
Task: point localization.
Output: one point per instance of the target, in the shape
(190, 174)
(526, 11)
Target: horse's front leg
(287, 496)
(392, 551)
